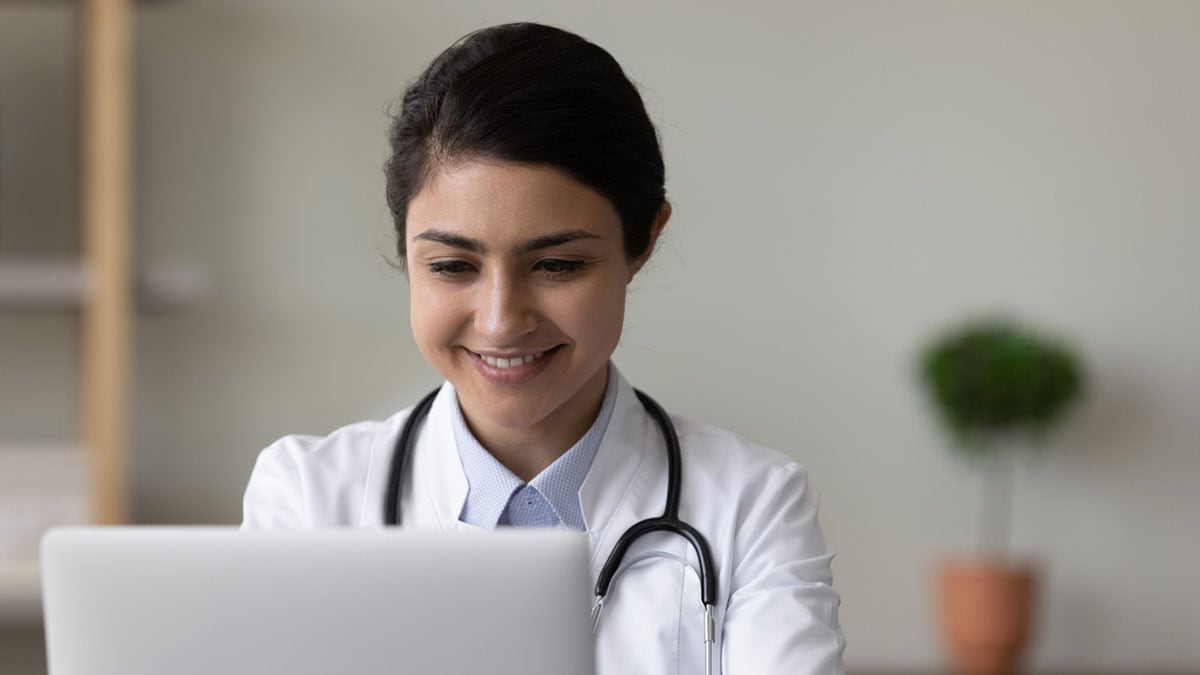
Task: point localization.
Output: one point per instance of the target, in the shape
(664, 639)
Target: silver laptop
(218, 601)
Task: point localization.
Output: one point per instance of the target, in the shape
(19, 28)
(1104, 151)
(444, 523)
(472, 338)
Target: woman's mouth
(511, 362)
(513, 369)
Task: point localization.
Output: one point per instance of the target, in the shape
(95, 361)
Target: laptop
(219, 601)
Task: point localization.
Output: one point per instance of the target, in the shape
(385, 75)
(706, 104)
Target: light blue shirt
(496, 496)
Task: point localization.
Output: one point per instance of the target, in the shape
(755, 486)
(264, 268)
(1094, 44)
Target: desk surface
(1032, 673)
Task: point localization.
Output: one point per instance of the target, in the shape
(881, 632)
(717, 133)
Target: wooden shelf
(20, 591)
(40, 284)
(42, 485)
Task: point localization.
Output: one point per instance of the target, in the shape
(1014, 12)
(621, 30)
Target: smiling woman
(527, 188)
(518, 277)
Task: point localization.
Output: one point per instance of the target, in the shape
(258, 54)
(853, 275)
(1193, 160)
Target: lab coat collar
(617, 475)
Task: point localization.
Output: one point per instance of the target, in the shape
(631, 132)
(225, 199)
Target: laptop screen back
(148, 601)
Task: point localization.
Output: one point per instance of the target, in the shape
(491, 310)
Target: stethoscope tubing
(391, 505)
(669, 521)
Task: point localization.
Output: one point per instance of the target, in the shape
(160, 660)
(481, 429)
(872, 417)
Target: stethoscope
(668, 522)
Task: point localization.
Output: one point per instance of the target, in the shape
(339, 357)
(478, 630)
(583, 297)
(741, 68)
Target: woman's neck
(527, 451)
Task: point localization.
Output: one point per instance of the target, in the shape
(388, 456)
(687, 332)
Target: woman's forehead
(508, 202)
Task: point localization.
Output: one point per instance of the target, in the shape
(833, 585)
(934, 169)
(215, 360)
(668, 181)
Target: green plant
(997, 386)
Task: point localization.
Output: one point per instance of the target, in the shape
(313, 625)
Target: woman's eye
(558, 268)
(449, 268)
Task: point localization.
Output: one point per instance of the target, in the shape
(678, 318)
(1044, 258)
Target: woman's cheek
(597, 315)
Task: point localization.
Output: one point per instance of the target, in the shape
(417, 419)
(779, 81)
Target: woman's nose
(506, 312)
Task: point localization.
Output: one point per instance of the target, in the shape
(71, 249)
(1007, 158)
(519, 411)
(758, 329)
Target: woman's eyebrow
(450, 239)
(476, 246)
(558, 239)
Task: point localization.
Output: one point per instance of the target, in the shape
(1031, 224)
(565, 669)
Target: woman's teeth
(511, 363)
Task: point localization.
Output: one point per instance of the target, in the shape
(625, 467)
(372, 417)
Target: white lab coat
(776, 609)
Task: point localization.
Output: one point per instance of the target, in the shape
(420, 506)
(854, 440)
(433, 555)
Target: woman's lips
(512, 369)
(512, 361)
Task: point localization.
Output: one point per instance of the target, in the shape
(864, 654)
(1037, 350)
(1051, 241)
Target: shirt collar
(491, 484)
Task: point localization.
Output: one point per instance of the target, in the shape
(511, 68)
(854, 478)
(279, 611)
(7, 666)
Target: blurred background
(848, 180)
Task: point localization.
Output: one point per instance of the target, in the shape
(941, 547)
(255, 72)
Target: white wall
(847, 178)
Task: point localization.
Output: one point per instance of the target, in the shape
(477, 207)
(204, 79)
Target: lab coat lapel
(435, 498)
(619, 490)
(620, 487)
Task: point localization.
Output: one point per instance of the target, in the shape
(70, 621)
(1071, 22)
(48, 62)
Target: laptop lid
(148, 601)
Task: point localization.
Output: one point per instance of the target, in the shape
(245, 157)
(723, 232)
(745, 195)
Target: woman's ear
(656, 228)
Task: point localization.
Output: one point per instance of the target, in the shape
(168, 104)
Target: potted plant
(998, 388)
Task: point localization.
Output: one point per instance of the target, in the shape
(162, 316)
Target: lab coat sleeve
(274, 498)
(782, 613)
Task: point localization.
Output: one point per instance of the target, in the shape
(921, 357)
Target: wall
(846, 178)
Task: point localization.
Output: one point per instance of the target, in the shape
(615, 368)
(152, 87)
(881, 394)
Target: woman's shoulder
(770, 504)
(757, 483)
(308, 480)
(726, 452)
(344, 443)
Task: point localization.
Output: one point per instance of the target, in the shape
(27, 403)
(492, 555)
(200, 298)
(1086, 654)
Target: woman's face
(517, 276)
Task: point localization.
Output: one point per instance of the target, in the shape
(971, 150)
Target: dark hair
(530, 94)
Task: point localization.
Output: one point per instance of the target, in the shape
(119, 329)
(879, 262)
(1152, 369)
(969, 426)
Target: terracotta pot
(986, 610)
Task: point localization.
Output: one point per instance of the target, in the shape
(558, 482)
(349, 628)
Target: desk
(1031, 673)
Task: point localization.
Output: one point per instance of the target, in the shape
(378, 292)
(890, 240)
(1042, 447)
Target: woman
(527, 187)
